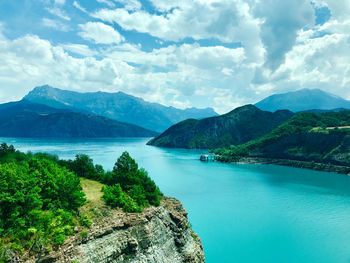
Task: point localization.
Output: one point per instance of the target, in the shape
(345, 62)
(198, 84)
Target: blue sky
(182, 53)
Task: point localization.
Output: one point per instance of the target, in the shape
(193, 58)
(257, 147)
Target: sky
(181, 53)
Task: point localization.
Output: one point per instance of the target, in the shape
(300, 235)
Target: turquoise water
(243, 213)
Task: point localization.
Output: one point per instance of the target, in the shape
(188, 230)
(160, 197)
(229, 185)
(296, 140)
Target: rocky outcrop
(159, 234)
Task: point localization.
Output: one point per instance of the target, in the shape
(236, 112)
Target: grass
(94, 204)
(92, 190)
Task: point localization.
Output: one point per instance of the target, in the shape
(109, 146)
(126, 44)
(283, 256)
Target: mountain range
(238, 126)
(27, 119)
(118, 106)
(303, 100)
(51, 112)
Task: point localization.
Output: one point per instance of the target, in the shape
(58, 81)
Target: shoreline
(297, 164)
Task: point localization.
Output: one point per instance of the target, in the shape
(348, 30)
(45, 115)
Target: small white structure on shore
(208, 157)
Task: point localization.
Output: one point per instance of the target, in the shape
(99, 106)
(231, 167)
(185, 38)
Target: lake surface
(243, 213)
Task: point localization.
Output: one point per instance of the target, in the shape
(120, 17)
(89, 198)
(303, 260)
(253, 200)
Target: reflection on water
(243, 213)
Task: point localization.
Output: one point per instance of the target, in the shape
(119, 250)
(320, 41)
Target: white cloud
(279, 51)
(35, 61)
(226, 20)
(171, 75)
(78, 6)
(80, 49)
(281, 25)
(100, 33)
(174, 26)
(107, 2)
(58, 12)
(340, 9)
(130, 4)
(58, 25)
(315, 62)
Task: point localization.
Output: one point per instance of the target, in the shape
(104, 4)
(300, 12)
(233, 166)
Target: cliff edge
(158, 234)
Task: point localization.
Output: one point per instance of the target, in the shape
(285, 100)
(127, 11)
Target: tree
(83, 166)
(125, 164)
(134, 182)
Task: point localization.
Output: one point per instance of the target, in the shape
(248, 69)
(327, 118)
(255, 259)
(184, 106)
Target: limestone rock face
(159, 234)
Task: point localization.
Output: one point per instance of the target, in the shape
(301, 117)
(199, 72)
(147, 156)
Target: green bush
(113, 195)
(127, 184)
(85, 220)
(38, 200)
(84, 234)
(129, 187)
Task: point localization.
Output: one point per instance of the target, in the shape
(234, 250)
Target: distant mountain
(322, 138)
(303, 100)
(118, 106)
(26, 119)
(236, 127)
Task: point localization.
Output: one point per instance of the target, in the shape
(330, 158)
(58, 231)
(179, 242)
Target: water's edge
(331, 168)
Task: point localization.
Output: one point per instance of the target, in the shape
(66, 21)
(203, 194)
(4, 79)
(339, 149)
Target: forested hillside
(236, 127)
(323, 138)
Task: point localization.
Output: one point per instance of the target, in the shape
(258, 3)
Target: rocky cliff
(159, 234)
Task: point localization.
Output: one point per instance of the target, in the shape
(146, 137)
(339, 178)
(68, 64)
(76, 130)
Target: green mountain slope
(25, 119)
(118, 106)
(236, 127)
(306, 137)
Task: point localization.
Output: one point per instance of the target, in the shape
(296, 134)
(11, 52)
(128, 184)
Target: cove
(243, 213)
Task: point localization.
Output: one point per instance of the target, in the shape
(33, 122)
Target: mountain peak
(45, 90)
(303, 100)
(45, 87)
(118, 106)
(245, 108)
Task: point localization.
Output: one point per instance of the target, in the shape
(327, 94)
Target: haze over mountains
(118, 106)
(236, 127)
(303, 100)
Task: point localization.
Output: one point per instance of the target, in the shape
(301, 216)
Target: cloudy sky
(217, 53)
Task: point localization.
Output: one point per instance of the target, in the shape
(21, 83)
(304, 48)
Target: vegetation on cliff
(238, 126)
(39, 201)
(41, 196)
(323, 137)
(127, 186)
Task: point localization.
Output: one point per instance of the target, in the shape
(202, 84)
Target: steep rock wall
(159, 234)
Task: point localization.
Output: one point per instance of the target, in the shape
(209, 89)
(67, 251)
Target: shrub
(38, 199)
(84, 220)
